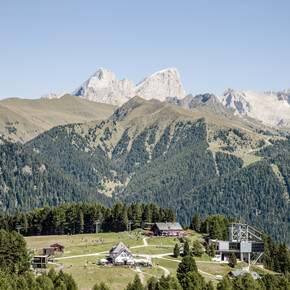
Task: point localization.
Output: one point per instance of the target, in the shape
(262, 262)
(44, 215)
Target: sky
(54, 46)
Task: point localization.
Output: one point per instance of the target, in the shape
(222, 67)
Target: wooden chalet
(58, 247)
(167, 229)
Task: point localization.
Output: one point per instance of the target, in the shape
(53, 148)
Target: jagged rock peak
(270, 108)
(105, 88)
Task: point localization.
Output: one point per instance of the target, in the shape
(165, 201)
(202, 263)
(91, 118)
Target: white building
(121, 255)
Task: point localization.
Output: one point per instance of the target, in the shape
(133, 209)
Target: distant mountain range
(269, 108)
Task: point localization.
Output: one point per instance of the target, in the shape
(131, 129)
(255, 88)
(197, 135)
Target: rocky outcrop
(270, 108)
(54, 96)
(103, 87)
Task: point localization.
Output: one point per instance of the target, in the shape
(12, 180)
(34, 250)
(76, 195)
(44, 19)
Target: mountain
(22, 120)
(210, 104)
(28, 182)
(269, 108)
(204, 103)
(192, 161)
(103, 87)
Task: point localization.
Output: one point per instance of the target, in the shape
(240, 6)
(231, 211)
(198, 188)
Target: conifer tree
(186, 250)
(136, 285)
(195, 223)
(176, 250)
(232, 260)
(186, 265)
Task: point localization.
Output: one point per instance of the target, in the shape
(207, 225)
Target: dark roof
(169, 226)
(57, 244)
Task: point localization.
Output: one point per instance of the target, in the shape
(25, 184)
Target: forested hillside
(28, 182)
(184, 159)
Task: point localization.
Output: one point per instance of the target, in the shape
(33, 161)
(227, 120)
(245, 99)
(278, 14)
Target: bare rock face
(161, 85)
(103, 87)
(270, 108)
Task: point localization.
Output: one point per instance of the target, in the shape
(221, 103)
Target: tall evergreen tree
(186, 249)
(195, 223)
(186, 265)
(232, 260)
(176, 250)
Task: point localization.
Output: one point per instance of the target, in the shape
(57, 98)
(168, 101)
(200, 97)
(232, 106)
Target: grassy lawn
(214, 268)
(155, 271)
(152, 250)
(260, 270)
(204, 257)
(82, 244)
(86, 277)
(171, 266)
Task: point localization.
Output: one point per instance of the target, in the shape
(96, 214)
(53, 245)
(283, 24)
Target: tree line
(80, 218)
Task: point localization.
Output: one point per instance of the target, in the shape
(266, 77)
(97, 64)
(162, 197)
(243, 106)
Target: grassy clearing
(249, 159)
(151, 250)
(171, 266)
(204, 257)
(154, 271)
(214, 268)
(86, 277)
(260, 270)
(82, 244)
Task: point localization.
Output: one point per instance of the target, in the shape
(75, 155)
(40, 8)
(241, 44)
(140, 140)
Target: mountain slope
(22, 120)
(105, 88)
(28, 182)
(150, 151)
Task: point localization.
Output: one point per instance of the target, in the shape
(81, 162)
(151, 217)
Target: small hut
(48, 251)
(58, 247)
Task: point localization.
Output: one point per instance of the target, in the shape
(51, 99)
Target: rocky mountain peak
(105, 88)
(269, 108)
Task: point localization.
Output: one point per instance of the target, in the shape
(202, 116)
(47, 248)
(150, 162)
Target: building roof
(118, 249)
(169, 226)
(237, 273)
(57, 244)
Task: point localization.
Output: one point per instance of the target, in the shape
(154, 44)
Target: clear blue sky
(54, 46)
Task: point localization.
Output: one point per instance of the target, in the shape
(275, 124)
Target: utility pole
(130, 223)
(18, 228)
(97, 223)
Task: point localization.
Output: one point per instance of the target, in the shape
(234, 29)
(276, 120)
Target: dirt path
(166, 272)
(145, 242)
(205, 273)
(140, 275)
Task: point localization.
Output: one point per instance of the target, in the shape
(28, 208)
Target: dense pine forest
(28, 182)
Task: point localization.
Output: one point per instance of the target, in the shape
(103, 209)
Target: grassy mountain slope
(28, 182)
(192, 161)
(22, 120)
